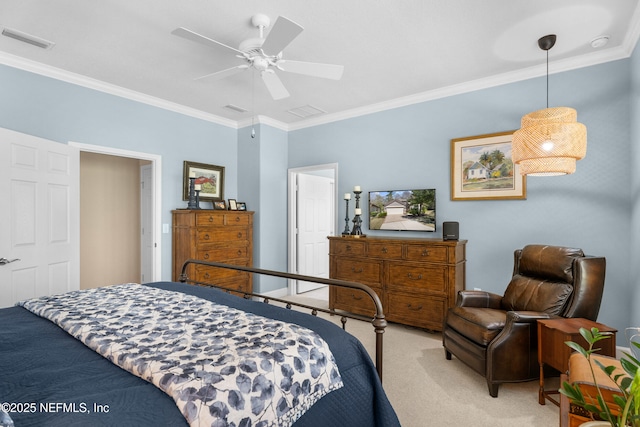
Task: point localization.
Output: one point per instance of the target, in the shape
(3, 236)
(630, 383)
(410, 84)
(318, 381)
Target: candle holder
(357, 221)
(346, 231)
(192, 194)
(197, 200)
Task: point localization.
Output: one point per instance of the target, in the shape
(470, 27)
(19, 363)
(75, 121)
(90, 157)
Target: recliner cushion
(548, 262)
(480, 325)
(532, 294)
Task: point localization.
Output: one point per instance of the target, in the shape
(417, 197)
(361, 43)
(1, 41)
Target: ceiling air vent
(235, 108)
(27, 38)
(306, 111)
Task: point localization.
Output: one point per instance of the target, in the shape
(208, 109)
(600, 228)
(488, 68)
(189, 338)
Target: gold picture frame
(482, 169)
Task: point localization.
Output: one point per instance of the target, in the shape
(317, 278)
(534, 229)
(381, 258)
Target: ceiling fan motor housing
(251, 46)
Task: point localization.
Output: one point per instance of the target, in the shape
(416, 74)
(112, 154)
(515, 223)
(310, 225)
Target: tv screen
(403, 210)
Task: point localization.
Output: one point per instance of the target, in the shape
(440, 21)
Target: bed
(48, 377)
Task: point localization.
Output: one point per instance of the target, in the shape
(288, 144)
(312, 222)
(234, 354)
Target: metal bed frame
(379, 323)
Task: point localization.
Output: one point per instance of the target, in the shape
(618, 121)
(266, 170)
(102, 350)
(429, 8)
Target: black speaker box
(450, 230)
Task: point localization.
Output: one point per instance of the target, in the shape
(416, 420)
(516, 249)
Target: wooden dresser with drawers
(214, 235)
(417, 280)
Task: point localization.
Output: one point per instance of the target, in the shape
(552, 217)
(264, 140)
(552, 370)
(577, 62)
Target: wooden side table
(552, 350)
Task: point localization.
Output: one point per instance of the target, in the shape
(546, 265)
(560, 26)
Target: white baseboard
(621, 350)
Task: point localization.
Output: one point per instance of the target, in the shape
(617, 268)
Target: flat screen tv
(403, 210)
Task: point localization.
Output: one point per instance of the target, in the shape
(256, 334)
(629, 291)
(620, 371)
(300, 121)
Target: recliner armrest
(526, 316)
(510, 355)
(483, 299)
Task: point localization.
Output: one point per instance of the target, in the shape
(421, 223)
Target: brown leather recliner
(497, 335)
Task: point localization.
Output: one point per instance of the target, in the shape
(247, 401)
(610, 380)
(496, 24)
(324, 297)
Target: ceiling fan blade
(284, 31)
(274, 85)
(224, 73)
(190, 35)
(326, 71)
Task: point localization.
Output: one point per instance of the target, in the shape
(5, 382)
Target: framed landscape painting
(209, 177)
(482, 169)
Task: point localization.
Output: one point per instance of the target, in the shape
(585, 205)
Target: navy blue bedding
(49, 378)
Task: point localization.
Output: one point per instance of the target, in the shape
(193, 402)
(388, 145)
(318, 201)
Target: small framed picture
(220, 205)
(242, 206)
(233, 206)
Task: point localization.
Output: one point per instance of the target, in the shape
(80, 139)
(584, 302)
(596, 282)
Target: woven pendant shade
(549, 142)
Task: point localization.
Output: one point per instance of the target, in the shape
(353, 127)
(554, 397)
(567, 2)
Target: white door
(315, 223)
(146, 223)
(39, 217)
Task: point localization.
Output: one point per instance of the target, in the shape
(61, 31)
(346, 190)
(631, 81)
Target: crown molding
(590, 59)
(80, 80)
(263, 120)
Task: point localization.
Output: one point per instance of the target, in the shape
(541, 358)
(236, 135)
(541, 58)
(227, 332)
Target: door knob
(4, 261)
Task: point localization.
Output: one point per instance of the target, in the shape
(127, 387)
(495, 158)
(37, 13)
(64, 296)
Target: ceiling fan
(264, 54)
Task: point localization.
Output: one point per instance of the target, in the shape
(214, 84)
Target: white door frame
(156, 173)
(293, 208)
(147, 248)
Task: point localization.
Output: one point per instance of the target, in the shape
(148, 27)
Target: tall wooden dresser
(417, 280)
(214, 235)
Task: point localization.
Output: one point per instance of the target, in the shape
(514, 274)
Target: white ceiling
(394, 52)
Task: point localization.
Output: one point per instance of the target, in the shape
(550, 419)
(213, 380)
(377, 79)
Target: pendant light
(549, 141)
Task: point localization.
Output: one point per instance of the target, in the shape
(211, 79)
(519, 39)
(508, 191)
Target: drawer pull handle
(360, 270)
(206, 276)
(206, 237)
(237, 219)
(239, 252)
(206, 256)
(425, 253)
(418, 308)
(356, 297)
(410, 276)
(210, 219)
(384, 250)
(348, 248)
(239, 234)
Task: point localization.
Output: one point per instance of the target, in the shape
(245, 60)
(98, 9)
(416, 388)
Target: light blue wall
(63, 112)
(409, 147)
(634, 108)
(262, 167)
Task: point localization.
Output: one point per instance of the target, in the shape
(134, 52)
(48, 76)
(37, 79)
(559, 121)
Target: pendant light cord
(547, 78)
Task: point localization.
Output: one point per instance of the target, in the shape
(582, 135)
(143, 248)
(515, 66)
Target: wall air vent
(27, 38)
(306, 111)
(235, 108)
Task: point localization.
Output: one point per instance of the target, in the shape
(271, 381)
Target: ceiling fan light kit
(264, 54)
(549, 141)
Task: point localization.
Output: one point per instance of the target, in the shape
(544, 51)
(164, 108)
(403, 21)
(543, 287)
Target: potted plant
(628, 400)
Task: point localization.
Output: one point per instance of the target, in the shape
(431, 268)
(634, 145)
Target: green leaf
(634, 392)
(572, 392)
(588, 334)
(577, 347)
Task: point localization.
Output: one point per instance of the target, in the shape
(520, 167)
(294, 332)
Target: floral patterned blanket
(221, 365)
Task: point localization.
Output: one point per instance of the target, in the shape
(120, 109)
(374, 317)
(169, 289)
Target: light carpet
(427, 390)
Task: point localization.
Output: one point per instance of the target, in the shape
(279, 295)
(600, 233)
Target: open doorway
(131, 200)
(312, 218)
